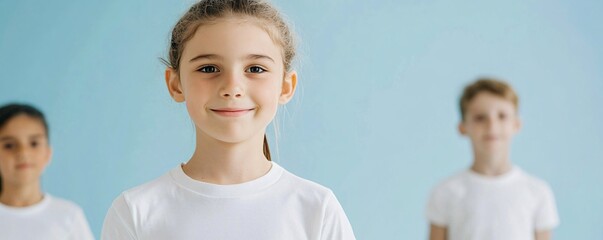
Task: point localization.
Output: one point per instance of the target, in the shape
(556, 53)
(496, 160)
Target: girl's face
(24, 150)
(491, 122)
(232, 79)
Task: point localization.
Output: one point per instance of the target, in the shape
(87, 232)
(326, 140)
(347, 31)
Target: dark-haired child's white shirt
(278, 205)
(50, 219)
(474, 207)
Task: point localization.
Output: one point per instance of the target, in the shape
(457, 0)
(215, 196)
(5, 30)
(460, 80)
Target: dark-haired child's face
(24, 151)
(490, 122)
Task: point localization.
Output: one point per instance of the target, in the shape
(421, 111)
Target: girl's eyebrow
(6, 138)
(205, 56)
(11, 138)
(259, 56)
(36, 136)
(215, 56)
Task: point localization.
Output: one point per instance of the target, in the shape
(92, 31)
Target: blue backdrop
(375, 115)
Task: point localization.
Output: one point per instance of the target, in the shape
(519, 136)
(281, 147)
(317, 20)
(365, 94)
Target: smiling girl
(230, 63)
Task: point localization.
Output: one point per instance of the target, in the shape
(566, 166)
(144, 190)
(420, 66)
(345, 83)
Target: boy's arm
(543, 235)
(438, 211)
(547, 217)
(439, 233)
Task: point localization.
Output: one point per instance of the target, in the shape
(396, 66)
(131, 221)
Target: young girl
(25, 211)
(230, 62)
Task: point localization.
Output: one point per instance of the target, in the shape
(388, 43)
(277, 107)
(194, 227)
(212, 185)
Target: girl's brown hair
(209, 11)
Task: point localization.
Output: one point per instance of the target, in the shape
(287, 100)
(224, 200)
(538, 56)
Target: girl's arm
(438, 233)
(118, 222)
(81, 229)
(543, 235)
(335, 223)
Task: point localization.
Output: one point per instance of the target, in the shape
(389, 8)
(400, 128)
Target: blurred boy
(494, 199)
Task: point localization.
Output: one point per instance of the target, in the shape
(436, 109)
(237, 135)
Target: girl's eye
(34, 144)
(256, 69)
(8, 146)
(208, 69)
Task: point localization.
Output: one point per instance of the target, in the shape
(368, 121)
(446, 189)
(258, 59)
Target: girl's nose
(235, 92)
(21, 153)
(232, 87)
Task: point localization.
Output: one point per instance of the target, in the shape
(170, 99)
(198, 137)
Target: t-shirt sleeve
(119, 224)
(81, 229)
(335, 223)
(546, 217)
(436, 211)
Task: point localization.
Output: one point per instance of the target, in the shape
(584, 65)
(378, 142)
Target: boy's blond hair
(490, 85)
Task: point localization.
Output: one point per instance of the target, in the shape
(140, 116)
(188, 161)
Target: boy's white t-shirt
(52, 218)
(474, 207)
(278, 205)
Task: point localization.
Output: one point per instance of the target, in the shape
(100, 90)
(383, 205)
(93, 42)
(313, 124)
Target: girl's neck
(21, 196)
(491, 165)
(224, 163)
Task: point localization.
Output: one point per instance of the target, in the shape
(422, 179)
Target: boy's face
(490, 122)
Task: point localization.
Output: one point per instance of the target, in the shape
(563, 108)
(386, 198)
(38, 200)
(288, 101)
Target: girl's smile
(22, 166)
(232, 112)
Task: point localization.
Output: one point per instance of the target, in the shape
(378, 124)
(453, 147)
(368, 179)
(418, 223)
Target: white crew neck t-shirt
(475, 207)
(50, 219)
(278, 205)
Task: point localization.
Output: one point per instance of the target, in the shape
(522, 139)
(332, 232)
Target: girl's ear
(461, 128)
(288, 88)
(48, 157)
(173, 84)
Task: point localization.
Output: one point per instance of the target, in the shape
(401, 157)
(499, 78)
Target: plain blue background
(374, 117)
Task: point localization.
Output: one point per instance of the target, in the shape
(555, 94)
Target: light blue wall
(374, 118)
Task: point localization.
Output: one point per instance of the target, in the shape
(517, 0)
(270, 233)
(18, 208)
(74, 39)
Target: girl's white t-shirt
(278, 205)
(512, 206)
(52, 218)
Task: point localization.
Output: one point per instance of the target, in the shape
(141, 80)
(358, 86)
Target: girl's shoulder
(149, 189)
(61, 202)
(304, 187)
(55, 206)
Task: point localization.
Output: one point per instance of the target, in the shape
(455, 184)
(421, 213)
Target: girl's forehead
(232, 35)
(22, 124)
(231, 30)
